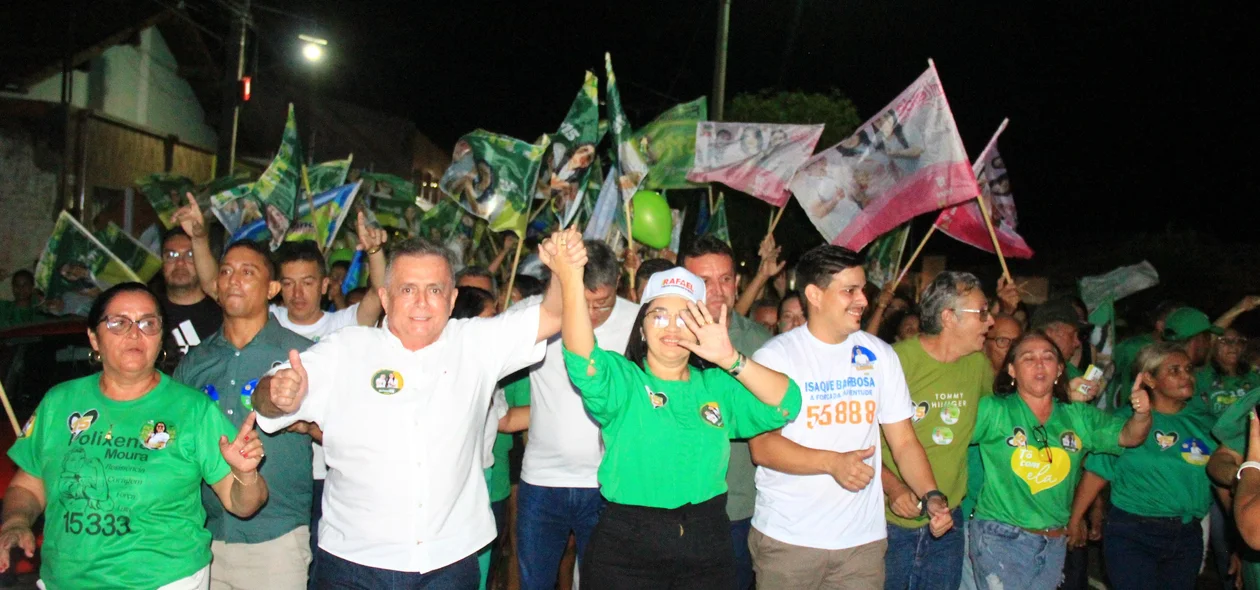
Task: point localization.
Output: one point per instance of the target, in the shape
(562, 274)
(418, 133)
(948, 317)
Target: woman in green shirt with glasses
(1032, 442)
(666, 423)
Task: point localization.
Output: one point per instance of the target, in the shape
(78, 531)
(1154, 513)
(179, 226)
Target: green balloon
(653, 224)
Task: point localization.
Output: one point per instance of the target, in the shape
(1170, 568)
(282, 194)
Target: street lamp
(313, 48)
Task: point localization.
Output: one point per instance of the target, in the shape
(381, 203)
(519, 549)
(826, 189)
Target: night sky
(1123, 117)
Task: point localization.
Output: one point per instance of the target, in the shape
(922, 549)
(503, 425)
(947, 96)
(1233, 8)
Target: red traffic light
(246, 88)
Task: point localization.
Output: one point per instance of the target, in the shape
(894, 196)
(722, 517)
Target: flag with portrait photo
(883, 256)
(567, 164)
(329, 175)
(235, 208)
(331, 209)
(75, 267)
(756, 158)
(493, 177)
(603, 219)
(629, 169)
(668, 145)
(907, 160)
(965, 222)
(142, 261)
(282, 184)
(165, 193)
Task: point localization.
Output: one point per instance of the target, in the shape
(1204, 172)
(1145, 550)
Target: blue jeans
(1146, 552)
(917, 561)
(545, 517)
(317, 512)
(1006, 556)
(743, 556)
(336, 573)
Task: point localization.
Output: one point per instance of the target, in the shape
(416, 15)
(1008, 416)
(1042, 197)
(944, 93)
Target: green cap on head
(1186, 323)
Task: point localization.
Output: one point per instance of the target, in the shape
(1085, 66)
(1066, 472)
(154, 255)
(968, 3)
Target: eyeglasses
(660, 318)
(1043, 441)
(1235, 341)
(983, 314)
(173, 255)
(1001, 341)
(121, 324)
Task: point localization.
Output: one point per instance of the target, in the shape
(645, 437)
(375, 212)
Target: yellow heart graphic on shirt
(1030, 464)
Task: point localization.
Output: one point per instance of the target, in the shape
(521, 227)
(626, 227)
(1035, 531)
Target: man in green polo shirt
(947, 374)
(713, 261)
(272, 549)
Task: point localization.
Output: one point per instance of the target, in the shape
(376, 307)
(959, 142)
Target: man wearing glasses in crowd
(947, 373)
(190, 314)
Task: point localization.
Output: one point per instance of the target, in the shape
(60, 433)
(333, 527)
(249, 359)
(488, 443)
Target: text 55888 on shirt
(847, 391)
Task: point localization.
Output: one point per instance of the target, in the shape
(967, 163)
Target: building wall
(139, 84)
(26, 197)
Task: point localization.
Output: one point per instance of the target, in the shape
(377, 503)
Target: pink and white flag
(907, 160)
(756, 158)
(965, 222)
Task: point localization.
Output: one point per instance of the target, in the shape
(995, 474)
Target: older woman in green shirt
(666, 424)
(120, 511)
(1160, 489)
(1032, 441)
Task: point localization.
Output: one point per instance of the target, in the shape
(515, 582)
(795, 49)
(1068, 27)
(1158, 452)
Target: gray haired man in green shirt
(272, 549)
(713, 261)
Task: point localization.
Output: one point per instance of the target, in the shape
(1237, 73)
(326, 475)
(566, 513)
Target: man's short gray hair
(417, 247)
(602, 269)
(942, 294)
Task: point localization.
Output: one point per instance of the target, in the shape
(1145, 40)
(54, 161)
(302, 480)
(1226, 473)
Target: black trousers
(635, 547)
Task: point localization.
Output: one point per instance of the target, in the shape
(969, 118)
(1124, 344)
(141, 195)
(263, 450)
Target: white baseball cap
(676, 281)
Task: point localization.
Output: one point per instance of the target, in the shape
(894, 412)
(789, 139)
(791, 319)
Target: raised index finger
(246, 427)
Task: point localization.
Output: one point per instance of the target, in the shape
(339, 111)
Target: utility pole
(225, 155)
(719, 61)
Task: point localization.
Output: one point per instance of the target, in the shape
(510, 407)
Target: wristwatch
(923, 502)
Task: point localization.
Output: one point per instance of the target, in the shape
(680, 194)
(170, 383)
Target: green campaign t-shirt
(1219, 391)
(1167, 475)
(667, 443)
(1231, 430)
(945, 398)
(517, 394)
(1031, 470)
(123, 482)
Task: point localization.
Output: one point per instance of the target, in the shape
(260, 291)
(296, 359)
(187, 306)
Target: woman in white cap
(667, 410)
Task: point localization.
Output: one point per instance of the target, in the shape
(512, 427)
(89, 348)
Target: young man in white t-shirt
(559, 489)
(819, 520)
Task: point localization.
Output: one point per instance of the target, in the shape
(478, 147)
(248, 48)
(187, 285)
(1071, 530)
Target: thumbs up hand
(289, 386)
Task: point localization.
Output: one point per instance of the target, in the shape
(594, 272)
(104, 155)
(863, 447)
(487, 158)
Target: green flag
(380, 186)
(395, 213)
(165, 192)
(443, 221)
(717, 222)
(493, 177)
(75, 267)
(883, 256)
(282, 183)
(630, 168)
(568, 162)
(328, 175)
(668, 145)
(139, 259)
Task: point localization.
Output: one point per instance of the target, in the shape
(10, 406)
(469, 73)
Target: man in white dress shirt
(402, 409)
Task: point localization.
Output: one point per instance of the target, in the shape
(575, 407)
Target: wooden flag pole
(988, 223)
(913, 257)
(539, 210)
(630, 237)
(775, 222)
(712, 203)
(507, 297)
(8, 409)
